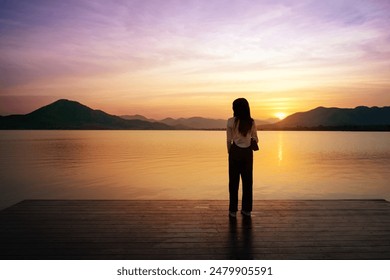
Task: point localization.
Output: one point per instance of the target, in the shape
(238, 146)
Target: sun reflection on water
(280, 148)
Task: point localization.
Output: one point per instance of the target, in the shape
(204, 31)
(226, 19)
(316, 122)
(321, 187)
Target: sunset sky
(183, 58)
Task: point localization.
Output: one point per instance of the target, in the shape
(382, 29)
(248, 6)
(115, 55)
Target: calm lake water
(189, 165)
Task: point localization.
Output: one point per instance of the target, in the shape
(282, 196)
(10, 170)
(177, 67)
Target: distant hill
(321, 118)
(190, 123)
(66, 114)
(196, 123)
(137, 117)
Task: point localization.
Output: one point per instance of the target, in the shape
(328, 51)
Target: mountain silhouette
(191, 123)
(66, 114)
(137, 117)
(196, 123)
(359, 118)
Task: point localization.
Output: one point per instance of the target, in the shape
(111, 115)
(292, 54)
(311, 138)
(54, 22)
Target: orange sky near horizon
(193, 58)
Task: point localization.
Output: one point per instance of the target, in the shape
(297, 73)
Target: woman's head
(241, 109)
(242, 113)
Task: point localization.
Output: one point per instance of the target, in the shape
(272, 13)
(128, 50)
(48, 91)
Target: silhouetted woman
(240, 129)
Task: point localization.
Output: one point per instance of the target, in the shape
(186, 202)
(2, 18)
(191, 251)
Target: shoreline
(325, 129)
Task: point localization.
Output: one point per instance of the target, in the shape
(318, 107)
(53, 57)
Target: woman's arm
(229, 136)
(254, 132)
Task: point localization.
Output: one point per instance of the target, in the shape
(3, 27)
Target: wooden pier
(189, 229)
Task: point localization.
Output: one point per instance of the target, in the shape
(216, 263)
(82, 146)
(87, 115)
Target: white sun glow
(280, 115)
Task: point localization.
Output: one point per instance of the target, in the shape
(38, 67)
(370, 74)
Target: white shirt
(233, 135)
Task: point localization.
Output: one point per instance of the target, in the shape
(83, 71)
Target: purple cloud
(193, 42)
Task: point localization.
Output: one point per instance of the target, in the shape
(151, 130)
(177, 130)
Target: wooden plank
(186, 229)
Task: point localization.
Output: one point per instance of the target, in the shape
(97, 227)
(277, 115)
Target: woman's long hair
(242, 113)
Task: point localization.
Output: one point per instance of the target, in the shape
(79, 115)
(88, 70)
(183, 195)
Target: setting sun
(280, 115)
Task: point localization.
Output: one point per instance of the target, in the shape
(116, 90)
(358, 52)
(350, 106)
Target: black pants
(240, 164)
